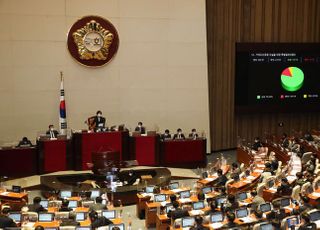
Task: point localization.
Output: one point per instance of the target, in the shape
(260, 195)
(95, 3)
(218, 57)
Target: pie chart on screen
(292, 79)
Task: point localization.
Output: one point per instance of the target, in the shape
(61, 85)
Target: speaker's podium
(54, 154)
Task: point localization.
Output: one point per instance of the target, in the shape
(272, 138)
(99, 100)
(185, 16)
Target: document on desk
(176, 190)
(250, 177)
(185, 200)
(209, 179)
(4, 193)
(196, 212)
(247, 219)
(273, 190)
(317, 194)
(216, 225)
(258, 170)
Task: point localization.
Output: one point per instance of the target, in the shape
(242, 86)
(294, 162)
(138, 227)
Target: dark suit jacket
(175, 136)
(166, 136)
(191, 135)
(25, 144)
(36, 208)
(6, 222)
(55, 133)
(142, 130)
(178, 213)
(310, 226)
(276, 217)
(101, 221)
(221, 180)
(100, 122)
(229, 225)
(201, 227)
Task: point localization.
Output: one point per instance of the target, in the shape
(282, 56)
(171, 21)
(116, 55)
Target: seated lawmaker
(179, 135)
(52, 133)
(166, 135)
(97, 221)
(177, 212)
(193, 135)
(25, 142)
(221, 180)
(140, 128)
(284, 188)
(36, 206)
(257, 144)
(199, 224)
(5, 220)
(306, 223)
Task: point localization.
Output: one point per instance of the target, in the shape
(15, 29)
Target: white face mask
(51, 129)
(99, 115)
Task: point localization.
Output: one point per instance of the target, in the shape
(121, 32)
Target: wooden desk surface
(4, 195)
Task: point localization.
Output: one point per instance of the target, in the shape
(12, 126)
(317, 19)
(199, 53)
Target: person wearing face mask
(99, 122)
(257, 144)
(179, 135)
(140, 128)
(193, 135)
(52, 133)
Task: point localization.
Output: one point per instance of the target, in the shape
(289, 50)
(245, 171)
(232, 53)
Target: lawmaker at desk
(193, 135)
(166, 135)
(140, 128)
(179, 135)
(97, 123)
(25, 142)
(52, 133)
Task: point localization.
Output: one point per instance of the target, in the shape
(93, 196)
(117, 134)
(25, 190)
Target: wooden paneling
(231, 21)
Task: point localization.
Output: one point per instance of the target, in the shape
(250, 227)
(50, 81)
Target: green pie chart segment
(292, 79)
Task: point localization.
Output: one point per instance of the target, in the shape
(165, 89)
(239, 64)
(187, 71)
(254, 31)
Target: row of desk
(67, 154)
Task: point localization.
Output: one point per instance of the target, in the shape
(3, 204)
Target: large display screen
(277, 77)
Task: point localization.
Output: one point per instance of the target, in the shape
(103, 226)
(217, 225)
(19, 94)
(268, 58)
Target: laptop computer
(265, 207)
(174, 185)
(109, 214)
(198, 205)
(83, 228)
(220, 201)
(314, 216)
(292, 222)
(16, 216)
(45, 217)
(216, 217)
(65, 193)
(73, 204)
(284, 202)
(149, 189)
(169, 207)
(242, 212)
(185, 194)
(94, 194)
(16, 188)
(242, 196)
(44, 203)
(206, 190)
(80, 216)
(266, 226)
(187, 222)
(121, 226)
(160, 198)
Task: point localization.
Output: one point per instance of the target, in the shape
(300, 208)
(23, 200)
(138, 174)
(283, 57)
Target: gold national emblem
(93, 41)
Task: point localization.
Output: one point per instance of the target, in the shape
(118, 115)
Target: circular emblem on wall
(93, 41)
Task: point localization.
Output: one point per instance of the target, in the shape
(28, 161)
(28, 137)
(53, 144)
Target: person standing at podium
(52, 133)
(140, 128)
(100, 122)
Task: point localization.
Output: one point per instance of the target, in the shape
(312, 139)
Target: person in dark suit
(99, 121)
(52, 133)
(177, 212)
(284, 140)
(221, 180)
(199, 224)
(257, 144)
(179, 135)
(64, 206)
(276, 215)
(285, 188)
(230, 218)
(71, 221)
(231, 204)
(97, 221)
(303, 207)
(98, 205)
(25, 142)
(36, 206)
(256, 201)
(166, 135)
(193, 135)
(140, 128)
(305, 223)
(5, 220)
